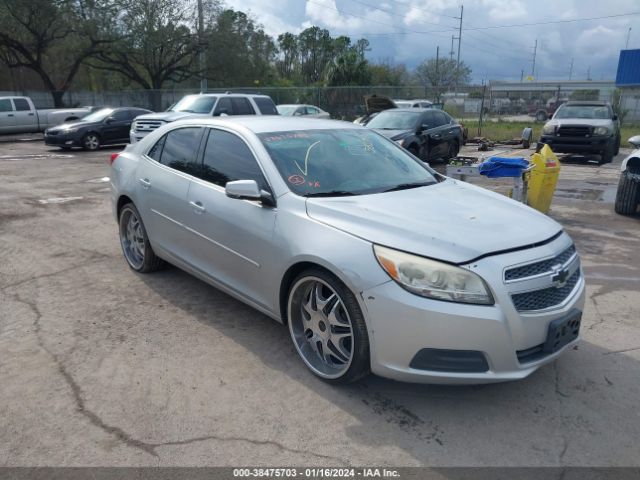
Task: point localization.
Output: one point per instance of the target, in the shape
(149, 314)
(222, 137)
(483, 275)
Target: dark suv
(584, 127)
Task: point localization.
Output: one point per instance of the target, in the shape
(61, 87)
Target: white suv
(208, 104)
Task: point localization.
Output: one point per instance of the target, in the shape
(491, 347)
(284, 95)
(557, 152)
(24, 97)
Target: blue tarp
(496, 167)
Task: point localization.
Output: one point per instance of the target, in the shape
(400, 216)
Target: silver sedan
(375, 262)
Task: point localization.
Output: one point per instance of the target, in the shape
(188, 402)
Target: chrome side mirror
(635, 141)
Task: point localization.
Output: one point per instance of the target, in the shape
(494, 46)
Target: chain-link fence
(524, 100)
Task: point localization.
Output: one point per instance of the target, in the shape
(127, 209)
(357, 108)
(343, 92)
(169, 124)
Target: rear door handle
(31, 114)
(10, 115)
(198, 207)
(146, 184)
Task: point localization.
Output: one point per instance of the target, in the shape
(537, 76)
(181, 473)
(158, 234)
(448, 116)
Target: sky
(409, 31)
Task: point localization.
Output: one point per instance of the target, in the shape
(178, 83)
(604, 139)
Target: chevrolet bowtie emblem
(559, 276)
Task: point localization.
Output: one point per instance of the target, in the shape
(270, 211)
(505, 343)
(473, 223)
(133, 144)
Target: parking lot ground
(102, 366)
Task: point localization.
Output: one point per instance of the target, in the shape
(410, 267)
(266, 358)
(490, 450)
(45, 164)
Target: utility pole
(459, 43)
(533, 63)
(626, 47)
(202, 58)
(437, 77)
(521, 76)
(589, 73)
(571, 69)
(453, 37)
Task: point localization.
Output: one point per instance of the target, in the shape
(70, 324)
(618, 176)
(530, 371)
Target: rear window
(266, 105)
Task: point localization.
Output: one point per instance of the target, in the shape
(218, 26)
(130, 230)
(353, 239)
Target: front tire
(454, 148)
(135, 244)
(327, 327)
(608, 154)
(541, 116)
(91, 141)
(627, 195)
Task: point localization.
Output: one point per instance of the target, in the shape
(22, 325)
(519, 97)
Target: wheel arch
(633, 162)
(122, 201)
(295, 269)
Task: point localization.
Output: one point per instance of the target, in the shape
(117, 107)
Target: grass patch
(501, 131)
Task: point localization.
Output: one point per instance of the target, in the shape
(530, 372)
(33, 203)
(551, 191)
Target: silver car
(309, 111)
(374, 261)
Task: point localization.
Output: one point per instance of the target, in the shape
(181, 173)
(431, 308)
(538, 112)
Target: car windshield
(392, 120)
(98, 115)
(194, 104)
(286, 109)
(342, 162)
(583, 111)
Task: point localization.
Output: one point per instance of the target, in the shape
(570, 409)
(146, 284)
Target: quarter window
(180, 149)
(227, 158)
(156, 150)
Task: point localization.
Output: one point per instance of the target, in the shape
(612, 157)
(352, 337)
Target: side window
(156, 150)
(180, 149)
(440, 119)
(241, 106)
(312, 111)
(429, 120)
(228, 158)
(224, 106)
(121, 116)
(21, 104)
(5, 105)
(266, 105)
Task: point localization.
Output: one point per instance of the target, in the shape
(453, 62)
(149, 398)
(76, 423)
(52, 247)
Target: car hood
(587, 122)
(393, 134)
(169, 116)
(450, 221)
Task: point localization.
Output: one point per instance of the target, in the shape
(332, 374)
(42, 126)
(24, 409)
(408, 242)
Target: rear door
(7, 116)
(163, 177)
(232, 238)
(115, 129)
(25, 116)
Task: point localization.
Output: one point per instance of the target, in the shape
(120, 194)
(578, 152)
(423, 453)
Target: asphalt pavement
(100, 366)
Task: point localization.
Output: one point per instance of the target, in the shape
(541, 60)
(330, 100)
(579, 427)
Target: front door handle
(146, 184)
(435, 136)
(198, 207)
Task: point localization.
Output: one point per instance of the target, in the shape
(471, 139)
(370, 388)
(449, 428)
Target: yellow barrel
(543, 179)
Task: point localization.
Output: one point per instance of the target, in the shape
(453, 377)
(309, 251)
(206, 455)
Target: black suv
(584, 127)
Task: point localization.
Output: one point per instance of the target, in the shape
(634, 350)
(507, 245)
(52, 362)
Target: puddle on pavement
(98, 180)
(33, 156)
(58, 200)
(580, 194)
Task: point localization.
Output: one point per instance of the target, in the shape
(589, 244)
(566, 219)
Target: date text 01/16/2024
(315, 473)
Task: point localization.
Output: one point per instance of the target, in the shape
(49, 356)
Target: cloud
(505, 9)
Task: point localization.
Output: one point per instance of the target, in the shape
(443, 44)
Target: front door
(233, 236)
(116, 127)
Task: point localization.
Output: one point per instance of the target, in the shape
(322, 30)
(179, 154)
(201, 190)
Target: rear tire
(327, 327)
(134, 241)
(627, 195)
(617, 150)
(454, 148)
(541, 116)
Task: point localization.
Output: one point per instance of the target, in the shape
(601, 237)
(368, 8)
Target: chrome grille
(541, 267)
(574, 131)
(546, 297)
(147, 125)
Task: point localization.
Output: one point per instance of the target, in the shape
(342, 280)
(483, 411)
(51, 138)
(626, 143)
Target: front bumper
(63, 140)
(402, 324)
(576, 144)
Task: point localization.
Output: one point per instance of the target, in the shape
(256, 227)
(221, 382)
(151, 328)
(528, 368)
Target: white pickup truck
(18, 115)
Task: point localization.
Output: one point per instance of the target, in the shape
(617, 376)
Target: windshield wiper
(331, 193)
(407, 186)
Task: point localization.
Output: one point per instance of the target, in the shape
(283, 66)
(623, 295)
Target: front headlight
(601, 131)
(134, 125)
(432, 279)
(548, 129)
(70, 130)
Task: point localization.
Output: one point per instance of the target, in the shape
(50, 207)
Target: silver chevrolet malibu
(375, 262)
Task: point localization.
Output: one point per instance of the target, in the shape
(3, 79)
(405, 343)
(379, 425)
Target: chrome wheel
(91, 141)
(132, 239)
(320, 327)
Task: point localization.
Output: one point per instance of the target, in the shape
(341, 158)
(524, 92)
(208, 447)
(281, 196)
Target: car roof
(409, 110)
(238, 94)
(270, 123)
(294, 105)
(587, 103)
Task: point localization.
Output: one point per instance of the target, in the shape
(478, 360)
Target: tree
(53, 38)
(444, 74)
(288, 62)
(384, 73)
(349, 65)
(242, 54)
(155, 44)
